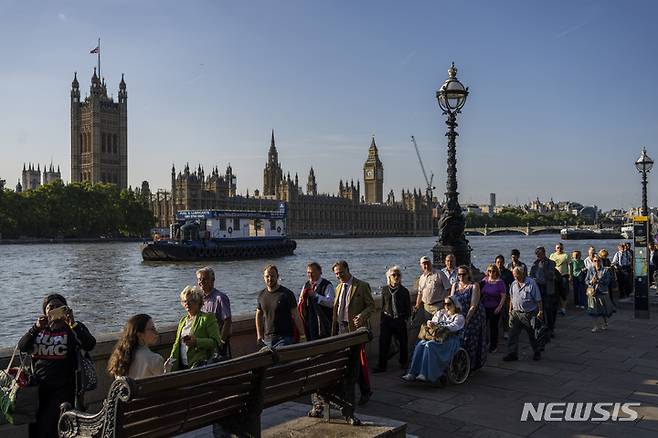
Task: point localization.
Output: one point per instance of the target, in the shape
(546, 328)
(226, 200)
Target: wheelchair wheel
(459, 368)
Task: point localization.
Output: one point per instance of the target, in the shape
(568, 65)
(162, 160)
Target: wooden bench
(232, 393)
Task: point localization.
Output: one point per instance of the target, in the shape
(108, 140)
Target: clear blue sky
(563, 93)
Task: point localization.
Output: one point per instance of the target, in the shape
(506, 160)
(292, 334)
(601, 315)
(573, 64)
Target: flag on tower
(96, 50)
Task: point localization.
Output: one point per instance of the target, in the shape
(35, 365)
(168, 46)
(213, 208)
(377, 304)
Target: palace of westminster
(99, 154)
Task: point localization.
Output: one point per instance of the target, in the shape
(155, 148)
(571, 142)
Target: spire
(94, 77)
(23, 167)
(75, 83)
(272, 146)
(122, 84)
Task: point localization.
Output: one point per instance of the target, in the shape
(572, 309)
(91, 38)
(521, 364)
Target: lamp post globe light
(452, 97)
(644, 164)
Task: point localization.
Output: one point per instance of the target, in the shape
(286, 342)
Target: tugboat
(223, 235)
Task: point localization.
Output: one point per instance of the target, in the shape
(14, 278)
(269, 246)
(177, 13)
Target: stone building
(310, 214)
(373, 176)
(32, 178)
(99, 134)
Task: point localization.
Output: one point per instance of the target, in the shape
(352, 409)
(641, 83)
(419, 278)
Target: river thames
(105, 283)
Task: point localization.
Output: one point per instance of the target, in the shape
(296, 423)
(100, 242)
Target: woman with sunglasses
(599, 305)
(467, 294)
(132, 356)
(494, 292)
(396, 310)
(431, 358)
(197, 337)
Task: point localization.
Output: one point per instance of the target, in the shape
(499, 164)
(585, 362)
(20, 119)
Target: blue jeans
(279, 342)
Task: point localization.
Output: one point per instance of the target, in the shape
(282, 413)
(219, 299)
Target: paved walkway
(618, 365)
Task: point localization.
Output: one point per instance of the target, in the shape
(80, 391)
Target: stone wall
(243, 341)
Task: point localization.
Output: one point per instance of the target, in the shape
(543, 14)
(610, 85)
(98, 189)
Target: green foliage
(516, 217)
(74, 210)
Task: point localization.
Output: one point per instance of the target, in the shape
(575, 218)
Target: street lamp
(644, 165)
(452, 97)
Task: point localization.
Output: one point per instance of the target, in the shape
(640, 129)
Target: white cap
(424, 259)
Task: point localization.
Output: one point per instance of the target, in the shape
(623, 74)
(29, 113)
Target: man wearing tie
(353, 306)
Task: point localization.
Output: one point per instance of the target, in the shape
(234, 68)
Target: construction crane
(430, 187)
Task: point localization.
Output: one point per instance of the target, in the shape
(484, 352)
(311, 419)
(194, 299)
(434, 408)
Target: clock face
(369, 173)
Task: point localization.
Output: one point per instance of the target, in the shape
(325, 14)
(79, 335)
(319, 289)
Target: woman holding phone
(197, 337)
(53, 342)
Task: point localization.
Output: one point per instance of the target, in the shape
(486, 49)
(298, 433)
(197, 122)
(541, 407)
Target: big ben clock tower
(373, 176)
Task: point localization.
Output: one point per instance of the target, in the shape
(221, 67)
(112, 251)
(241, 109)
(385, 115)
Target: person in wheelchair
(433, 354)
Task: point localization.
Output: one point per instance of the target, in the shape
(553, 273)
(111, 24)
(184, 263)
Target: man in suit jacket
(353, 307)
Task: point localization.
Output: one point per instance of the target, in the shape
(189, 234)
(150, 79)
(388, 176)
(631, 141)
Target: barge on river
(223, 235)
(590, 234)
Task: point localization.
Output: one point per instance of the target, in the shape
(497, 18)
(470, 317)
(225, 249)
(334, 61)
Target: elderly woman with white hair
(197, 337)
(432, 357)
(396, 310)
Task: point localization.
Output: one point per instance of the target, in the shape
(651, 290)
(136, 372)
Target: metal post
(645, 207)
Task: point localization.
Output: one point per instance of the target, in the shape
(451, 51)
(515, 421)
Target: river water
(105, 283)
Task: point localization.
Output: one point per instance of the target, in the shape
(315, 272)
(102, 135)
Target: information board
(641, 266)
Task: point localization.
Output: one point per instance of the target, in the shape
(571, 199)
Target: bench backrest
(304, 368)
(186, 400)
(233, 393)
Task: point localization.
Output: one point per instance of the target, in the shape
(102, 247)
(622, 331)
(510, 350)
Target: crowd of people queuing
(450, 305)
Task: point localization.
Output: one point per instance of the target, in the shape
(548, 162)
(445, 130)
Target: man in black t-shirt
(277, 307)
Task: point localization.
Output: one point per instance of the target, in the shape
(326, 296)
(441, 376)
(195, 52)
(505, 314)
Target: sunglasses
(447, 304)
(462, 274)
(395, 274)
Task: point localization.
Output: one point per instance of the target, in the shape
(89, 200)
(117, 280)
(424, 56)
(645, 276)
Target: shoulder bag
(19, 392)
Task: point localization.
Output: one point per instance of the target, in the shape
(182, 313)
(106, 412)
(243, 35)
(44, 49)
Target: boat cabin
(229, 224)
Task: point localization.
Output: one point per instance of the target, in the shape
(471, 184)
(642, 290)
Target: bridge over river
(527, 230)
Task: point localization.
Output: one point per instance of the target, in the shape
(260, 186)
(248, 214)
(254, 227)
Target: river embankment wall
(243, 341)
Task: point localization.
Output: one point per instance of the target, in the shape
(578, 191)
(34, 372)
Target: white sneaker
(409, 377)
(421, 377)
(596, 330)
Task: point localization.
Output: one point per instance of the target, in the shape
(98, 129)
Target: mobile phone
(57, 313)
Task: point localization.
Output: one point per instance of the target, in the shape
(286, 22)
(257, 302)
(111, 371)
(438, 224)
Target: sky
(562, 93)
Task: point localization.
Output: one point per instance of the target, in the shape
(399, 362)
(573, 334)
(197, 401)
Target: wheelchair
(458, 369)
(460, 365)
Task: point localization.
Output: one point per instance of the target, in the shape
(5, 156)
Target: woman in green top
(578, 273)
(197, 336)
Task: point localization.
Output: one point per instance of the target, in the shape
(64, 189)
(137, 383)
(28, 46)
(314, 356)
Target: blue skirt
(431, 358)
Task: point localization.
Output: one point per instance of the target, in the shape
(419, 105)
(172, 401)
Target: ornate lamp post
(644, 164)
(452, 96)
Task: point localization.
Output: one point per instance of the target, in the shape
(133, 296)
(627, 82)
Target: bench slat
(321, 346)
(276, 395)
(149, 385)
(221, 389)
(310, 362)
(309, 372)
(158, 408)
(199, 414)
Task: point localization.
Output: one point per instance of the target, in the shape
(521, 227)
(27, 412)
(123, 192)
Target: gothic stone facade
(309, 214)
(99, 134)
(31, 177)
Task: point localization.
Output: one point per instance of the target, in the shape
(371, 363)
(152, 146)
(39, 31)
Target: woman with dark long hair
(132, 356)
(54, 341)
